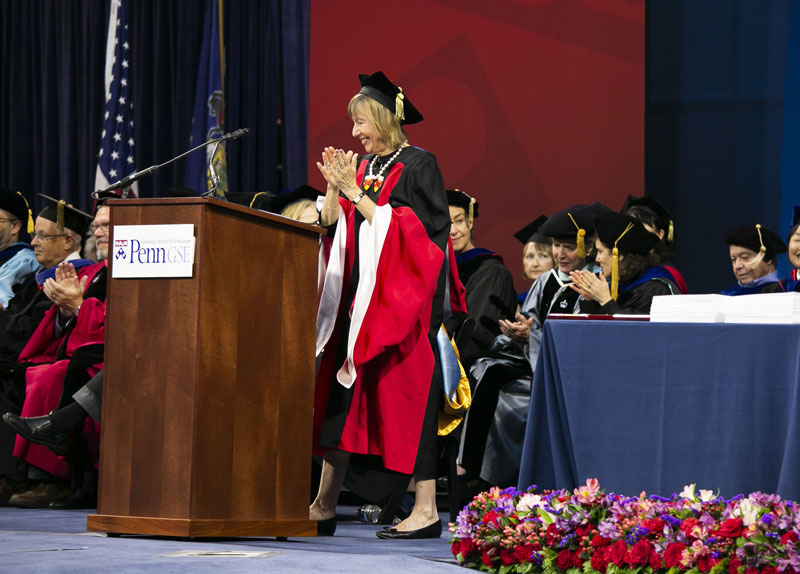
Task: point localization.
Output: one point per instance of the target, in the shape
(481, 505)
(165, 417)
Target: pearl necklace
(378, 179)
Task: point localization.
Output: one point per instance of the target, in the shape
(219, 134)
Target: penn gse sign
(148, 251)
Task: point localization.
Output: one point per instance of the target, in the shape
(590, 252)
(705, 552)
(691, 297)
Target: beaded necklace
(378, 179)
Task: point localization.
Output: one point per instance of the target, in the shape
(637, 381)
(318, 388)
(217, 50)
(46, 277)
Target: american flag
(115, 159)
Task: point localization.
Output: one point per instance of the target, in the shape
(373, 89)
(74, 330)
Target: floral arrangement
(590, 532)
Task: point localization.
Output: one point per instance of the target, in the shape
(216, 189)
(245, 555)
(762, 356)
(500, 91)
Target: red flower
(731, 528)
(639, 554)
(486, 558)
(523, 552)
(583, 530)
(490, 517)
(654, 525)
(576, 559)
(507, 557)
(751, 571)
(455, 548)
(769, 570)
(599, 541)
(706, 563)
(563, 560)
(656, 563)
(790, 536)
(733, 565)
(599, 561)
(672, 554)
(551, 535)
(688, 525)
(468, 547)
(616, 552)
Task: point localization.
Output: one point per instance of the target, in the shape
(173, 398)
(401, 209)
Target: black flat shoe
(326, 527)
(431, 531)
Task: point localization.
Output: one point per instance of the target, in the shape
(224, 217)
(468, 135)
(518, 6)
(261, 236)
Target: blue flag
(208, 121)
(115, 159)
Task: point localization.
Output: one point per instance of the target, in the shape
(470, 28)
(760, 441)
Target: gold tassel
(30, 213)
(581, 242)
(762, 251)
(252, 201)
(615, 263)
(398, 105)
(60, 215)
(671, 232)
(471, 209)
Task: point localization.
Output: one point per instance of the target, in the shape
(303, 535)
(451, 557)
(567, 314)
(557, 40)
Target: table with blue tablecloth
(656, 406)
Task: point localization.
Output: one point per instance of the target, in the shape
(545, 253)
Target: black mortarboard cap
(16, 204)
(64, 215)
(795, 215)
(378, 87)
(278, 202)
(753, 237)
(260, 200)
(574, 223)
(626, 233)
(531, 232)
(469, 204)
(662, 217)
(564, 224)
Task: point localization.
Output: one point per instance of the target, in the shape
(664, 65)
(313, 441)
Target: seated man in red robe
(65, 349)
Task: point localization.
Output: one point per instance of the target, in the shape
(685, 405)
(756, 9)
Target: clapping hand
(590, 286)
(66, 290)
(518, 330)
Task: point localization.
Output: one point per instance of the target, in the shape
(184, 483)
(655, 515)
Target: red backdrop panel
(529, 105)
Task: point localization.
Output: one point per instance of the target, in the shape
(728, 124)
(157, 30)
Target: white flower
(706, 495)
(747, 511)
(688, 492)
(528, 501)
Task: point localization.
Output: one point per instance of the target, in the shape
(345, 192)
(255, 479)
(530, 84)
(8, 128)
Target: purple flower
(607, 529)
(536, 558)
(768, 519)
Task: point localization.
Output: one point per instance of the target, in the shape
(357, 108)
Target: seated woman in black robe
(625, 254)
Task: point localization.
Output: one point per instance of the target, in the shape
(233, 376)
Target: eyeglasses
(46, 236)
(104, 226)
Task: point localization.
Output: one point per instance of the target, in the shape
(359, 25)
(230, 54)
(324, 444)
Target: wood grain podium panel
(209, 380)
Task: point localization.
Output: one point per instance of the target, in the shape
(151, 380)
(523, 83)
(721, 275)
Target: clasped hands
(66, 290)
(590, 286)
(339, 170)
(518, 330)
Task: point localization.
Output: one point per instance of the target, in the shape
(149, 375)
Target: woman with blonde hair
(379, 383)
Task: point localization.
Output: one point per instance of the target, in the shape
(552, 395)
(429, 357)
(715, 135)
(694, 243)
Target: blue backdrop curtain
(715, 74)
(51, 92)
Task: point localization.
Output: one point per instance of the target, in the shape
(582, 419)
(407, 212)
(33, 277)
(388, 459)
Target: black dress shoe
(431, 531)
(326, 527)
(39, 430)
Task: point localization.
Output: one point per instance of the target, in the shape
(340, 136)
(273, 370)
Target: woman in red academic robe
(379, 385)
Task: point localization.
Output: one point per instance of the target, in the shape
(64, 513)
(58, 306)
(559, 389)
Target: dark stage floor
(57, 541)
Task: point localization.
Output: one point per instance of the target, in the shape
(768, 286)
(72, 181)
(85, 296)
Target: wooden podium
(209, 380)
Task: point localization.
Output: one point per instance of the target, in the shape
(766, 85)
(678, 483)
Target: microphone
(127, 181)
(237, 134)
